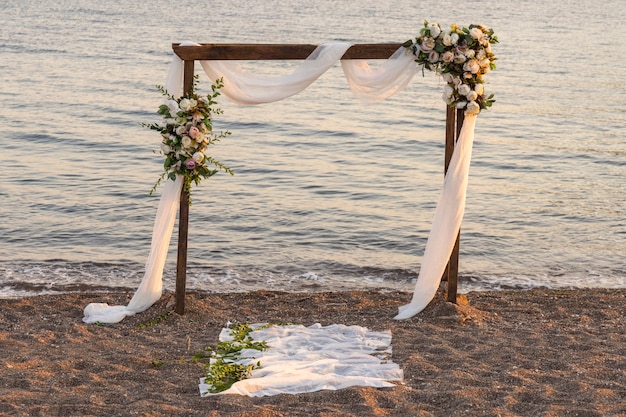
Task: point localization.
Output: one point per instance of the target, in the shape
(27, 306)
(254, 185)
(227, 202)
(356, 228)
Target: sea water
(329, 193)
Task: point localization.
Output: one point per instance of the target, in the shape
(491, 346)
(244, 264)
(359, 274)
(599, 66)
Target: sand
(505, 353)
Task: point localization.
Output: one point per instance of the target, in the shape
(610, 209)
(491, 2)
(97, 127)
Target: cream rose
(471, 96)
(186, 142)
(447, 56)
(464, 89)
(198, 157)
(477, 34)
(185, 104)
(472, 66)
(472, 109)
(435, 31)
(454, 38)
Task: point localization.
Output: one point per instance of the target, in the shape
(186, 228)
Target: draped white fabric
(391, 77)
(307, 359)
(246, 88)
(446, 223)
(151, 286)
(370, 84)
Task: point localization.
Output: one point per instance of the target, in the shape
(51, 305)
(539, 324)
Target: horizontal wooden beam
(264, 51)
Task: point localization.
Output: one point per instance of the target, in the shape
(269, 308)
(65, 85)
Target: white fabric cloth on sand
(370, 84)
(307, 359)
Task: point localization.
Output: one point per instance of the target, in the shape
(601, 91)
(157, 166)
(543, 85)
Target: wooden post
(183, 216)
(454, 122)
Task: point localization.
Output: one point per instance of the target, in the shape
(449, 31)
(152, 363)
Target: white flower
(448, 78)
(454, 38)
(481, 54)
(464, 89)
(470, 53)
(198, 157)
(477, 34)
(428, 44)
(186, 142)
(448, 93)
(447, 56)
(485, 63)
(461, 104)
(472, 66)
(471, 96)
(480, 89)
(472, 109)
(433, 57)
(165, 148)
(180, 130)
(172, 105)
(184, 104)
(459, 58)
(434, 30)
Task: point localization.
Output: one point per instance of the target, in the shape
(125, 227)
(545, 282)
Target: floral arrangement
(463, 57)
(187, 132)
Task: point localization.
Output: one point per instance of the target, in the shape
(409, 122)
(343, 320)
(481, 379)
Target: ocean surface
(329, 193)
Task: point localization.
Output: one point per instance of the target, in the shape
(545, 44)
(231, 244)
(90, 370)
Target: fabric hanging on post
(150, 289)
(368, 84)
(446, 223)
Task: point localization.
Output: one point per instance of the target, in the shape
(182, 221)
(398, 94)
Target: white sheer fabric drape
(367, 83)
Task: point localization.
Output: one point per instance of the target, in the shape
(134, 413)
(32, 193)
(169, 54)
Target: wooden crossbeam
(265, 51)
(258, 52)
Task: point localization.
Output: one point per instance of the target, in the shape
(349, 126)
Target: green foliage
(221, 370)
(186, 133)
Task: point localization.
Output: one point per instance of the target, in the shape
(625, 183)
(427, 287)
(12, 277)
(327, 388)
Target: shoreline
(508, 353)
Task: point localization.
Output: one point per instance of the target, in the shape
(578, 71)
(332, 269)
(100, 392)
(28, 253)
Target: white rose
(454, 38)
(471, 96)
(185, 104)
(480, 89)
(447, 56)
(186, 142)
(180, 130)
(485, 63)
(473, 109)
(165, 148)
(172, 105)
(446, 39)
(461, 104)
(198, 157)
(470, 53)
(481, 54)
(447, 99)
(428, 44)
(448, 78)
(477, 34)
(434, 31)
(464, 89)
(192, 104)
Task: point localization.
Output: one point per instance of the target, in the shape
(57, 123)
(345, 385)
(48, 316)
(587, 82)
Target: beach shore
(501, 353)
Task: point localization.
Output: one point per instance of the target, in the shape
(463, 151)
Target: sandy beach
(504, 353)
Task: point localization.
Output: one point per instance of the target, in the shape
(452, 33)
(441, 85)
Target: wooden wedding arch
(254, 52)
